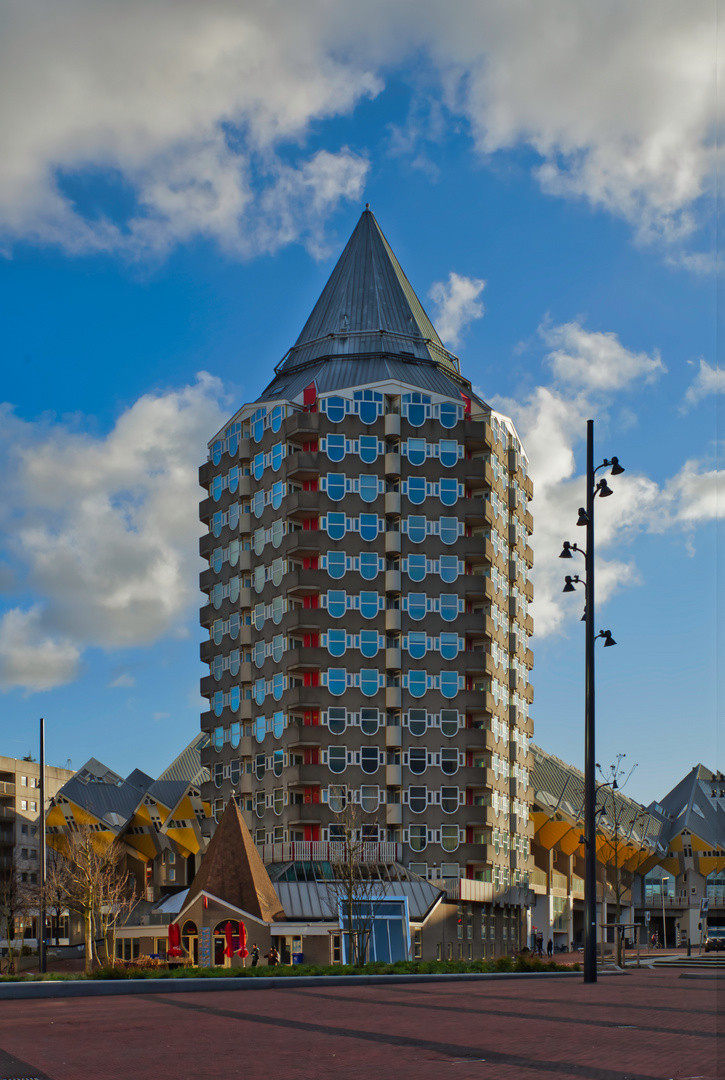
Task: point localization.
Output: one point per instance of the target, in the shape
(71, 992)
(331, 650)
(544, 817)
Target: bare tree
(355, 891)
(55, 888)
(618, 843)
(93, 882)
(18, 898)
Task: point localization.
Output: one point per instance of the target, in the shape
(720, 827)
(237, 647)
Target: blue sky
(176, 183)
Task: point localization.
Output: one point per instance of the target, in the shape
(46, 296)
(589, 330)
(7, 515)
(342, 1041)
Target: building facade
(20, 814)
(367, 597)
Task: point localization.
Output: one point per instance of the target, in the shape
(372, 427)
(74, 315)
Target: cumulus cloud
(456, 305)
(103, 531)
(124, 681)
(709, 380)
(589, 367)
(191, 119)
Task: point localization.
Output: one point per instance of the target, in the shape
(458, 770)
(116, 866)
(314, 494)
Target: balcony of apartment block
(393, 814)
(477, 701)
(301, 582)
(7, 789)
(528, 520)
(476, 777)
(332, 851)
(392, 542)
(393, 620)
(306, 658)
(393, 503)
(303, 504)
(302, 542)
(301, 776)
(476, 855)
(477, 661)
(304, 736)
(476, 587)
(478, 510)
(305, 697)
(392, 425)
(478, 740)
(393, 581)
(301, 425)
(208, 578)
(209, 613)
(393, 697)
(208, 685)
(392, 464)
(303, 465)
(478, 816)
(537, 881)
(306, 813)
(478, 471)
(477, 434)
(302, 620)
(475, 549)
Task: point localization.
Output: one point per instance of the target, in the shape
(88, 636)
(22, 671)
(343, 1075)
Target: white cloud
(31, 655)
(589, 369)
(185, 107)
(709, 380)
(124, 681)
(456, 305)
(103, 531)
(161, 715)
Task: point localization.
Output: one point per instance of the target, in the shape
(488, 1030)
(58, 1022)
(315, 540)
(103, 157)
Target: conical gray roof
(368, 307)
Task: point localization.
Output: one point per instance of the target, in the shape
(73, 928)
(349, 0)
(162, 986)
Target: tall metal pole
(590, 792)
(42, 873)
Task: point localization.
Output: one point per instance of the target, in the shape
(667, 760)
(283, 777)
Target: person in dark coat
(550, 948)
(255, 955)
(272, 957)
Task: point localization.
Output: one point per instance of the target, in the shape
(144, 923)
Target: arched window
(448, 530)
(337, 681)
(368, 448)
(449, 760)
(337, 759)
(417, 605)
(335, 524)
(449, 837)
(416, 489)
(417, 799)
(335, 486)
(416, 529)
(416, 567)
(335, 409)
(369, 565)
(448, 414)
(418, 837)
(369, 604)
(417, 721)
(449, 722)
(336, 603)
(417, 683)
(336, 563)
(336, 642)
(369, 527)
(448, 607)
(417, 759)
(369, 721)
(336, 720)
(416, 451)
(335, 445)
(449, 646)
(369, 681)
(448, 489)
(369, 759)
(417, 644)
(369, 643)
(449, 683)
(449, 800)
(368, 487)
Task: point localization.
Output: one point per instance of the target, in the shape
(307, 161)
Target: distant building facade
(368, 590)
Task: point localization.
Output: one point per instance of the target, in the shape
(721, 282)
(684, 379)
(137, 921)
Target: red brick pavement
(642, 1025)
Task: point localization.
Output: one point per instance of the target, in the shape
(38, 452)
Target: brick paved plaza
(645, 1024)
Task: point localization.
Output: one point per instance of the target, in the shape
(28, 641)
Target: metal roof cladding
(368, 306)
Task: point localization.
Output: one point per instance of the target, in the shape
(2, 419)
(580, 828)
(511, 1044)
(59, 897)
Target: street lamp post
(586, 519)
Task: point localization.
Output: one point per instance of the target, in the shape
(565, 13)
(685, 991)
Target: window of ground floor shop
(127, 949)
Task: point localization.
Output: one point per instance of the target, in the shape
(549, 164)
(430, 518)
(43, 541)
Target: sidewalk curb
(120, 987)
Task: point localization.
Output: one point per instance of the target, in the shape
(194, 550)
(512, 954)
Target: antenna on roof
(367, 205)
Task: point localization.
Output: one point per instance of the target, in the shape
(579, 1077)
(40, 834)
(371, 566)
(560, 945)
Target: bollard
(689, 947)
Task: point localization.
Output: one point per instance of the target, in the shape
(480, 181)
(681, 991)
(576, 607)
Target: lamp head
(608, 639)
(604, 489)
(569, 584)
(583, 518)
(566, 551)
(617, 469)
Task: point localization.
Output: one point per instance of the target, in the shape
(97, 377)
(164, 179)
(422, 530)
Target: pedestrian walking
(550, 948)
(272, 957)
(255, 955)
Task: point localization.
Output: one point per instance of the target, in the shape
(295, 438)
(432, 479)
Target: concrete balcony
(476, 817)
(392, 543)
(393, 697)
(302, 581)
(303, 465)
(393, 775)
(392, 580)
(392, 464)
(309, 659)
(476, 587)
(477, 434)
(393, 814)
(301, 425)
(392, 619)
(392, 502)
(393, 660)
(393, 736)
(478, 511)
(478, 471)
(303, 504)
(392, 425)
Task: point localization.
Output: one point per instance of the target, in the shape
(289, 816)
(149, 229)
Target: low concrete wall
(112, 987)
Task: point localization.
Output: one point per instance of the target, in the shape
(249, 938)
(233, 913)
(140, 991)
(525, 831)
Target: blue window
(337, 603)
(368, 526)
(235, 734)
(369, 759)
(260, 730)
(336, 642)
(277, 648)
(258, 466)
(276, 417)
(416, 451)
(234, 698)
(277, 610)
(217, 631)
(416, 567)
(448, 491)
(258, 504)
(234, 662)
(368, 604)
(337, 681)
(216, 454)
(336, 562)
(369, 565)
(448, 530)
(278, 724)
(417, 605)
(369, 642)
(234, 623)
(217, 559)
(258, 424)
(416, 489)
(448, 567)
(417, 683)
(448, 451)
(216, 595)
(277, 493)
(233, 515)
(216, 525)
(258, 653)
(335, 526)
(369, 405)
(448, 414)
(336, 720)
(449, 646)
(416, 529)
(259, 691)
(277, 455)
(368, 448)
(335, 409)
(369, 682)
(449, 683)
(416, 406)
(216, 488)
(233, 444)
(218, 702)
(368, 488)
(335, 447)
(277, 685)
(234, 479)
(337, 758)
(417, 644)
(336, 486)
(448, 607)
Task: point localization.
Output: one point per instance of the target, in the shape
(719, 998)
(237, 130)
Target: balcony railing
(332, 851)
(6, 788)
